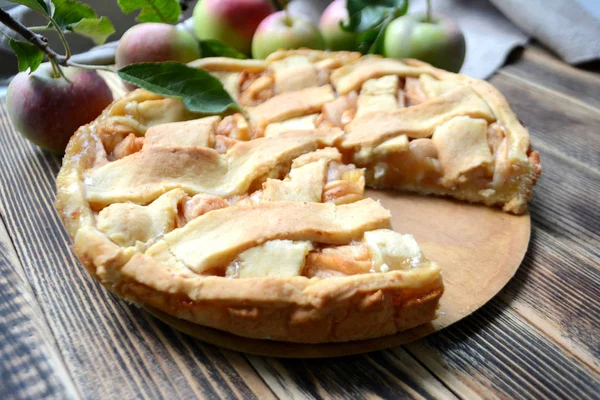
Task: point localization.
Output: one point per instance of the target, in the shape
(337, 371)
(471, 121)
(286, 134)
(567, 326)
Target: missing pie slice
(256, 223)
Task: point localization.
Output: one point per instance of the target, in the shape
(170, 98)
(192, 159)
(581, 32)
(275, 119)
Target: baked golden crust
(258, 226)
(338, 309)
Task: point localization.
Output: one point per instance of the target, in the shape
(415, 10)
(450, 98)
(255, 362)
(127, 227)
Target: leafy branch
(199, 91)
(31, 58)
(27, 56)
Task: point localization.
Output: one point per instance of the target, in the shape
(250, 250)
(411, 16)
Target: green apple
(230, 21)
(282, 31)
(335, 37)
(155, 42)
(437, 41)
(48, 110)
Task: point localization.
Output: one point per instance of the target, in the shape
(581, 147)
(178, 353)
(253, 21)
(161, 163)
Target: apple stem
(288, 20)
(57, 71)
(283, 4)
(62, 37)
(428, 17)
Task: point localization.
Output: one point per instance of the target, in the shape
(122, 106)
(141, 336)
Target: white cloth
(564, 26)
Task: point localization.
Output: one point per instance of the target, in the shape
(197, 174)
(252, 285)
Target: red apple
(231, 21)
(438, 41)
(155, 42)
(335, 37)
(48, 110)
(282, 31)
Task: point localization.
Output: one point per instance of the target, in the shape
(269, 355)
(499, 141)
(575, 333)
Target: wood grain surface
(64, 336)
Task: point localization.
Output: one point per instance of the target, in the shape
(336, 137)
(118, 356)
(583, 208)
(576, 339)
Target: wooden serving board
(478, 248)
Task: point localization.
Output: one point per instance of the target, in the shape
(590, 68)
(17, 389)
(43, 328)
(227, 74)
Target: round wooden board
(478, 248)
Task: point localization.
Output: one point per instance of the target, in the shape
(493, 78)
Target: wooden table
(64, 336)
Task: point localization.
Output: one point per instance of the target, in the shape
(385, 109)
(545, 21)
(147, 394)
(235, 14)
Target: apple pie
(256, 222)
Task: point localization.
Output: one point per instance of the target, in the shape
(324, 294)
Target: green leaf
(200, 91)
(370, 18)
(366, 14)
(377, 44)
(28, 55)
(37, 5)
(215, 48)
(153, 10)
(97, 29)
(73, 16)
(69, 12)
(366, 39)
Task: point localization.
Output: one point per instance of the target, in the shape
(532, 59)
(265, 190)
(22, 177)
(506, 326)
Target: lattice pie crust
(256, 222)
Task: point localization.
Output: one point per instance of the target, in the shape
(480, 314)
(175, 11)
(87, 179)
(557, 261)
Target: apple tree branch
(42, 43)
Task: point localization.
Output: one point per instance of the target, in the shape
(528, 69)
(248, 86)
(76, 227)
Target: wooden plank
(30, 364)
(113, 349)
(565, 206)
(555, 296)
(557, 286)
(382, 374)
(536, 66)
(561, 268)
(497, 354)
(556, 125)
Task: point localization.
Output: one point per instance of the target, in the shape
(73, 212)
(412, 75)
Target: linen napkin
(564, 26)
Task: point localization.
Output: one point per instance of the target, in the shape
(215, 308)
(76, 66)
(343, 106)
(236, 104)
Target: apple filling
(380, 250)
(234, 127)
(439, 164)
(255, 88)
